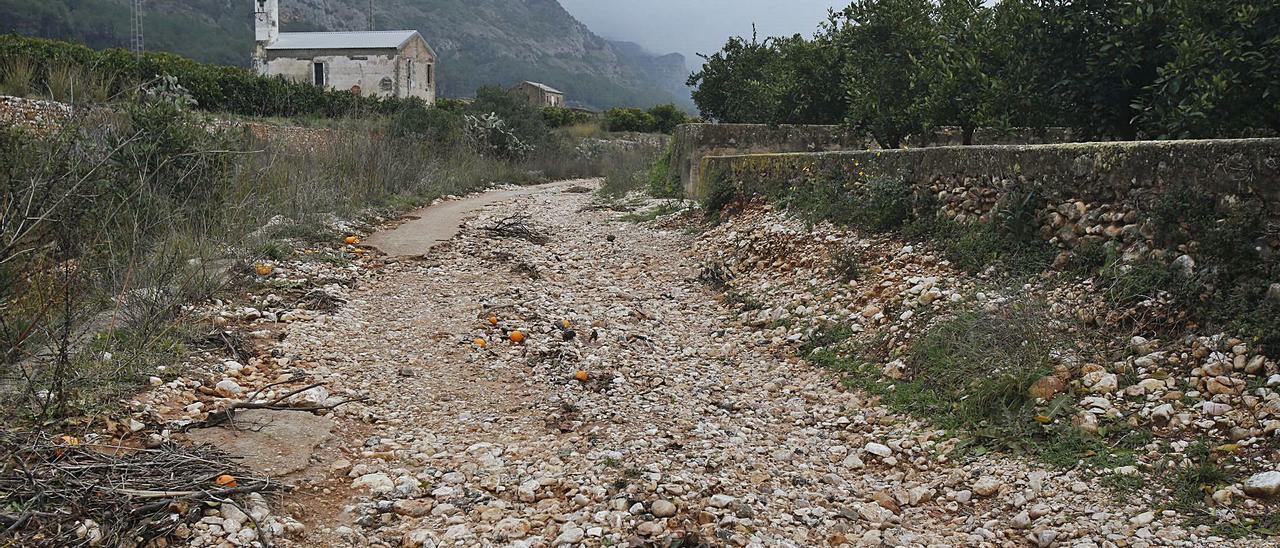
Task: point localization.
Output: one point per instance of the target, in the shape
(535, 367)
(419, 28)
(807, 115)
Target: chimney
(266, 25)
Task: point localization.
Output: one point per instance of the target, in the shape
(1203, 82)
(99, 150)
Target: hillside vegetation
(480, 41)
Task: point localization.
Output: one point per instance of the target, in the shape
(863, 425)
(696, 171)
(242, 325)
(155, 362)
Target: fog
(697, 26)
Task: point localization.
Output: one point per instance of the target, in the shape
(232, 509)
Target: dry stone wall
(1085, 192)
(693, 142)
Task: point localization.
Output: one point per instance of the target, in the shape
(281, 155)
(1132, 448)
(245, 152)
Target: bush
(662, 182)
(659, 119)
(434, 124)
(558, 117)
(629, 119)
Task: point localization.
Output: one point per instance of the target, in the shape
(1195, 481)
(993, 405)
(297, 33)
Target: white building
(396, 63)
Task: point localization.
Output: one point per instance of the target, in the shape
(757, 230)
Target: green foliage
(558, 117)
(895, 68)
(629, 119)
(1226, 287)
(971, 374)
(662, 181)
(17, 76)
(878, 204)
(784, 80)
(885, 77)
(436, 124)
(666, 117)
(846, 264)
(659, 119)
(524, 121)
(720, 193)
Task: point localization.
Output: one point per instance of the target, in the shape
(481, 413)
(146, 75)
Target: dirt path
(690, 425)
(430, 226)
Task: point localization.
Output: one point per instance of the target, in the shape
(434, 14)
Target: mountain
(479, 41)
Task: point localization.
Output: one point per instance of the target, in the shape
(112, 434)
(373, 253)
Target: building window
(431, 74)
(409, 80)
(317, 69)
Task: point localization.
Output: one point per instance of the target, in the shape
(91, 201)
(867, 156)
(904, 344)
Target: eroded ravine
(690, 425)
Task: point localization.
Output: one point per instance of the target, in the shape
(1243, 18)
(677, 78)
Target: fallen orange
(481, 343)
(264, 269)
(226, 480)
(581, 375)
(493, 320)
(352, 240)
(517, 337)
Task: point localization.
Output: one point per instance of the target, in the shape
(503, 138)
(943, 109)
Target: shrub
(662, 183)
(558, 117)
(439, 126)
(19, 74)
(720, 193)
(629, 119)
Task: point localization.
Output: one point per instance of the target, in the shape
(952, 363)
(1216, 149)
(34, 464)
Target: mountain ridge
(480, 42)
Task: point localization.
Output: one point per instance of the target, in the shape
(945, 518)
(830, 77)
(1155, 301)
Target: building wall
(539, 97)
(424, 64)
(368, 69)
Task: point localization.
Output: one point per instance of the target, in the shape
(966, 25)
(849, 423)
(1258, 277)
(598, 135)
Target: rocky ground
(640, 408)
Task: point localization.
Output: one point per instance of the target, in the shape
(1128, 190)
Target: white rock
(1108, 384)
(1144, 519)
(878, 449)
(511, 528)
(986, 486)
(420, 538)
(663, 509)
(721, 501)
(570, 534)
(1263, 484)
(228, 388)
(311, 397)
(377, 483)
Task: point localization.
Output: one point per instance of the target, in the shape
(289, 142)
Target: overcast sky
(697, 26)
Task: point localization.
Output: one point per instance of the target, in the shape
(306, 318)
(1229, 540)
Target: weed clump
(971, 375)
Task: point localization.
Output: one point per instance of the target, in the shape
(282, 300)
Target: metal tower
(370, 14)
(138, 43)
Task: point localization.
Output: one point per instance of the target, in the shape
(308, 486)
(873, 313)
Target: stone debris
(695, 422)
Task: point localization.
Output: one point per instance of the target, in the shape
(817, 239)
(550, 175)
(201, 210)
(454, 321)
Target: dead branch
(517, 226)
(277, 404)
(52, 486)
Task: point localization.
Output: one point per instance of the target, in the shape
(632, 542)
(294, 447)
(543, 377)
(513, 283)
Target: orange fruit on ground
(264, 269)
(581, 375)
(565, 324)
(517, 337)
(481, 343)
(226, 480)
(352, 240)
(493, 320)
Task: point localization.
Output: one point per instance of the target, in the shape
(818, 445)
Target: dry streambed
(642, 406)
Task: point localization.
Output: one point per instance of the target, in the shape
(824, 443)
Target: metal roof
(382, 39)
(544, 87)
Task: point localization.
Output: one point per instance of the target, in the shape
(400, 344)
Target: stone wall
(1085, 191)
(693, 142)
(696, 141)
(33, 115)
